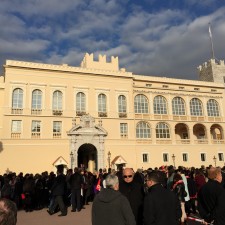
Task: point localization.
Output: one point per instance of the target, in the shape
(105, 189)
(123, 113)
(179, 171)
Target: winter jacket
(112, 208)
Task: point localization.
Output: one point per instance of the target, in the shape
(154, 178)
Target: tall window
(145, 157)
(178, 106)
(162, 131)
(102, 103)
(57, 100)
(123, 130)
(57, 129)
(213, 108)
(80, 102)
(196, 107)
(16, 129)
(220, 156)
(122, 104)
(16, 126)
(160, 105)
(165, 157)
(203, 157)
(140, 104)
(36, 129)
(17, 98)
(143, 130)
(36, 99)
(185, 157)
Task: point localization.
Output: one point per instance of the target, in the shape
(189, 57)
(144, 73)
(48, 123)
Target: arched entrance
(86, 141)
(87, 157)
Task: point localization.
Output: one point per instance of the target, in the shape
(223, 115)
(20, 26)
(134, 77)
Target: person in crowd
(28, 191)
(134, 193)
(170, 174)
(6, 188)
(161, 206)
(211, 198)
(179, 190)
(8, 212)
(192, 192)
(58, 191)
(199, 179)
(76, 182)
(110, 206)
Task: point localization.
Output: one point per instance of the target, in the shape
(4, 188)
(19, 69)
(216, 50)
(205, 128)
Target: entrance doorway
(87, 157)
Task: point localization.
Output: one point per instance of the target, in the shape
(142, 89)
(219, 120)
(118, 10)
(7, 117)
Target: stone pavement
(41, 217)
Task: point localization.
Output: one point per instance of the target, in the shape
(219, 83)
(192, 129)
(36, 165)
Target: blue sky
(167, 38)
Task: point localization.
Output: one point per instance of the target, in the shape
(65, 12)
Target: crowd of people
(164, 195)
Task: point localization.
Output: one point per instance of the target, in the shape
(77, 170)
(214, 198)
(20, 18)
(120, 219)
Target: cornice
(64, 68)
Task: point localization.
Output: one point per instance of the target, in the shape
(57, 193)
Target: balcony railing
(16, 111)
(183, 141)
(57, 135)
(57, 112)
(80, 113)
(216, 141)
(201, 141)
(124, 136)
(15, 135)
(35, 135)
(163, 141)
(102, 114)
(36, 111)
(122, 115)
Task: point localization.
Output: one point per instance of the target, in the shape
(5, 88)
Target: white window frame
(205, 155)
(187, 156)
(142, 157)
(168, 157)
(219, 157)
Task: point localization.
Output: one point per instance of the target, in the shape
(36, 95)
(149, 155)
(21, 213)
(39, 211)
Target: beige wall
(37, 155)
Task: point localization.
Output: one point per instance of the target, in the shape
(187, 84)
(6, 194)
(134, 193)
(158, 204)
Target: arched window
(196, 107)
(122, 104)
(160, 105)
(36, 99)
(17, 98)
(162, 130)
(143, 130)
(140, 104)
(57, 100)
(178, 106)
(213, 108)
(80, 102)
(102, 103)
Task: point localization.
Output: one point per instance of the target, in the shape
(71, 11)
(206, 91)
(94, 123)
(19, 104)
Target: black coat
(110, 207)
(211, 202)
(161, 207)
(135, 195)
(76, 181)
(59, 185)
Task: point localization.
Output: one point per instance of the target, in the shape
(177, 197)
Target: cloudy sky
(151, 37)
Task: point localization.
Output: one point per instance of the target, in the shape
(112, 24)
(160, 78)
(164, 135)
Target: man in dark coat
(161, 206)
(58, 191)
(110, 206)
(134, 192)
(76, 182)
(211, 198)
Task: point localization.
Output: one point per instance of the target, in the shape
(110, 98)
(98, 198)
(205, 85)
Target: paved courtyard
(43, 218)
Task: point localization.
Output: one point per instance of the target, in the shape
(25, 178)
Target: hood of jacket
(108, 195)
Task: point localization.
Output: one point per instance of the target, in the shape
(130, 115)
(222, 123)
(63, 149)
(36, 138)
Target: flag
(210, 33)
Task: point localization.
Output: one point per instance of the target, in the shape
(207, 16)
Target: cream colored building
(98, 115)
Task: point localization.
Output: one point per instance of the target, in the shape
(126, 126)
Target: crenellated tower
(212, 71)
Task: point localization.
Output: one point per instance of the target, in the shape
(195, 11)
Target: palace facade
(99, 115)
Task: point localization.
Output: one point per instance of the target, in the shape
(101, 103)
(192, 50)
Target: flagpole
(210, 36)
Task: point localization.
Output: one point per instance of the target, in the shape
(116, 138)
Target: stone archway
(85, 134)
